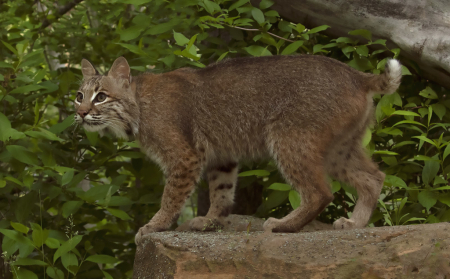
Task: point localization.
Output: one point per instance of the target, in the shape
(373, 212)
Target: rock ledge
(417, 251)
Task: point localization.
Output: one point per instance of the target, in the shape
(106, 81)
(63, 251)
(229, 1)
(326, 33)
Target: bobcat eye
(100, 97)
(79, 97)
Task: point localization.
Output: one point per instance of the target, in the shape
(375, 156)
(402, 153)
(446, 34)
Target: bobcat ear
(120, 69)
(87, 69)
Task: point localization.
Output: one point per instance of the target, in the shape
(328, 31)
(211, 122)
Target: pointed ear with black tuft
(87, 69)
(120, 70)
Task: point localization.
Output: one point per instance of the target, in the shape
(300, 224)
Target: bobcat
(306, 112)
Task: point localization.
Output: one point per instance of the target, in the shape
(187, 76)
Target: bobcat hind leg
(222, 184)
(349, 163)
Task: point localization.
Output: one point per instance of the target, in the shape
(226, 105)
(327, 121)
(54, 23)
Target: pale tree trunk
(421, 29)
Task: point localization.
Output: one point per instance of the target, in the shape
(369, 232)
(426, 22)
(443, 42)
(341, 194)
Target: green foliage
(72, 201)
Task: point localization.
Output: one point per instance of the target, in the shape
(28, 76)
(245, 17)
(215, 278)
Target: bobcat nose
(82, 113)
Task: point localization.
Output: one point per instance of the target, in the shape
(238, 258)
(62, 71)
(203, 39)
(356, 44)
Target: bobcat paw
(344, 224)
(271, 224)
(204, 224)
(149, 228)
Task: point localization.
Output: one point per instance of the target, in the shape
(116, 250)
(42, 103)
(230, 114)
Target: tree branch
(248, 29)
(60, 12)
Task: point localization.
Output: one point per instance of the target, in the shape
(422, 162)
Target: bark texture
(420, 251)
(419, 28)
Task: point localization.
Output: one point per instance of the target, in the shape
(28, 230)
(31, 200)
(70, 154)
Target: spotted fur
(306, 112)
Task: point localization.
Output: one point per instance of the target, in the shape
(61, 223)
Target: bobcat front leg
(181, 179)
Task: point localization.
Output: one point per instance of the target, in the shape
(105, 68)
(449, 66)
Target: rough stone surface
(419, 28)
(419, 251)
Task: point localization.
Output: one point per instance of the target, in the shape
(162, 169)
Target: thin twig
(60, 12)
(248, 29)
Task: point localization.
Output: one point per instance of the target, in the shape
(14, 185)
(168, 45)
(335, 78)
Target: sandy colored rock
(240, 223)
(417, 251)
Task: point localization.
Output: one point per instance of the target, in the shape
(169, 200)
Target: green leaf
(39, 235)
(92, 137)
(130, 33)
(180, 39)
(392, 180)
(294, 199)
(428, 93)
(25, 273)
(105, 259)
(425, 139)
(5, 65)
(335, 186)
(400, 144)
(264, 4)
(52, 243)
(258, 15)
(15, 180)
(427, 198)
(22, 154)
(429, 171)
(439, 180)
(210, 6)
(362, 32)
(20, 228)
(384, 152)
(5, 126)
(255, 50)
(405, 71)
(396, 52)
(272, 13)
(36, 113)
(274, 199)
(360, 63)
(43, 134)
(439, 110)
(66, 247)
(254, 172)
(430, 113)
(409, 122)
(2, 183)
(60, 127)
(107, 275)
(71, 207)
(345, 40)
(423, 158)
(115, 201)
(237, 4)
(445, 199)
(280, 187)
(14, 235)
(378, 42)
(404, 112)
(28, 261)
(446, 152)
(367, 137)
(67, 177)
(362, 50)
(98, 192)
(69, 259)
(26, 89)
(163, 27)
(11, 48)
(55, 273)
(222, 56)
(291, 48)
(119, 213)
(318, 29)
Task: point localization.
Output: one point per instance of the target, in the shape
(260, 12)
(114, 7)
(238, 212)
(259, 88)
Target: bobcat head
(108, 102)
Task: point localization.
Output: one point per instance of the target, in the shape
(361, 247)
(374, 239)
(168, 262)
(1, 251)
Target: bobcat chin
(308, 113)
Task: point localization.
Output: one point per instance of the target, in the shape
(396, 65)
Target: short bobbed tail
(387, 82)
